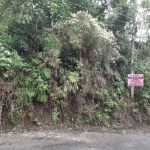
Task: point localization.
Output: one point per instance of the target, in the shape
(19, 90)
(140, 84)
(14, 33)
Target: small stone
(123, 131)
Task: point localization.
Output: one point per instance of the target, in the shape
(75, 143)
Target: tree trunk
(1, 105)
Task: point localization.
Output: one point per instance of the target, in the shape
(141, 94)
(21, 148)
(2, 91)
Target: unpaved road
(75, 140)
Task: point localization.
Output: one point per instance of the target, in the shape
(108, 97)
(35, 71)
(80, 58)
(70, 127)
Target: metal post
(132, 66)
(133, 54)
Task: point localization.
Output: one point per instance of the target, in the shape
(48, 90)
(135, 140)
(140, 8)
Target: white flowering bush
(82, 30)
(88, 50)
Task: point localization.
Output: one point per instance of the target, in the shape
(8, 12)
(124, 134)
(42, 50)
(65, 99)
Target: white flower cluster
(5, 57)
(85, 20)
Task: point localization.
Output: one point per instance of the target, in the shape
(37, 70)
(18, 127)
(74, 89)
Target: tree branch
(4, 8)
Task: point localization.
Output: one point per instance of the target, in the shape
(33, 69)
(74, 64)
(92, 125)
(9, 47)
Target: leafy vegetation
(67, 61)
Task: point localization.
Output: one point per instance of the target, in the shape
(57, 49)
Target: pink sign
(135, 80)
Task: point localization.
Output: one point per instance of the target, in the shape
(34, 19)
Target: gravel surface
(75, 140)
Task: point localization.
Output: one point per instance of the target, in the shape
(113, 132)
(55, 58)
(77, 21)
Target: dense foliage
(67, 61)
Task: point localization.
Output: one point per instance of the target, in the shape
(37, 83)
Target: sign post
(135, 80)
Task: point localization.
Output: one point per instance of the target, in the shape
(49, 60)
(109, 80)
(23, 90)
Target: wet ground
(76, 140)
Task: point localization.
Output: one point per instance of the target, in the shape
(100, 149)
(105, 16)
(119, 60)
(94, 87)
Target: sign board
(135, 80)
